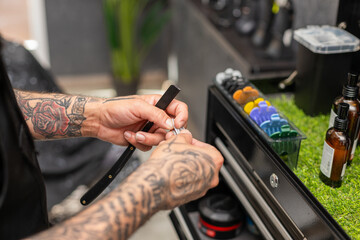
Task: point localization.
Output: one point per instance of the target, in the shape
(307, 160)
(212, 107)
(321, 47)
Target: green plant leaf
(153, 23)
(128, 47)
(111, 23)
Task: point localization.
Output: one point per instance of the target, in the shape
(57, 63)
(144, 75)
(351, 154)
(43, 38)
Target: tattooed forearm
(179, 176)
(51, 116)
(76, 116)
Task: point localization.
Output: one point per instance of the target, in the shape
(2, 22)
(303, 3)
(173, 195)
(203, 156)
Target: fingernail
(139, 137)
(169, 123)
(127, 134)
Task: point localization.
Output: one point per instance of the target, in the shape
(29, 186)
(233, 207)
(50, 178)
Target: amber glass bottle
(335, 150)
(349, 96)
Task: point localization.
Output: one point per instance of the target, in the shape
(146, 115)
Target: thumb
(186, 136)
(154, 114)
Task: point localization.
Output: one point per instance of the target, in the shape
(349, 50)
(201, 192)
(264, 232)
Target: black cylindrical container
(220, 216)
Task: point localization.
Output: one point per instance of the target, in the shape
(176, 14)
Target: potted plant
(133, 26)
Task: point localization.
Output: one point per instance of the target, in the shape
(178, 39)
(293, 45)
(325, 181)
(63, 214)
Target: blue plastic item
(262, 113)
(274, 124)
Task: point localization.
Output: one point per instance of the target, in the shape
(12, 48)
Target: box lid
(327, 39)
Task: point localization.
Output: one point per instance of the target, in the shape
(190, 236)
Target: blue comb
(274, 124)
(262, 113)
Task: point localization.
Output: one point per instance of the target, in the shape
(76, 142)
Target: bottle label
(333, 115)
(343, 171)
(327, 160)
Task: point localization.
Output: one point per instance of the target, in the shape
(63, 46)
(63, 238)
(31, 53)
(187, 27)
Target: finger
(199, 143)
(213, 151)
(130, 137)
(180, 111)
(161, 130)
(176, 108)
(156, 128)
(172, 133)
(149, 139)
(185, 136)
(146, 111)
(169, 135)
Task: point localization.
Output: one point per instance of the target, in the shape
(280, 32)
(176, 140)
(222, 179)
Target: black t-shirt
(22, 191)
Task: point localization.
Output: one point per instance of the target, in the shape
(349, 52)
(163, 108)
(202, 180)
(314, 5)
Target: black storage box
(323, 61)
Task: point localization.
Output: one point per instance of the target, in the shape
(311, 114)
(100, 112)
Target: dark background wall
(202, 51)
(77, 37)
(315, 12)
(78, 40)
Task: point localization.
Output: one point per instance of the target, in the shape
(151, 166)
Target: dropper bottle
(335, 150)
(349, 96)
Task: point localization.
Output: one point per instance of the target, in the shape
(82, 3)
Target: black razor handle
(100, 186)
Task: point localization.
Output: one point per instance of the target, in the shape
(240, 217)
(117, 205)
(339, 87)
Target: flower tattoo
(50, 119)
(60, 116)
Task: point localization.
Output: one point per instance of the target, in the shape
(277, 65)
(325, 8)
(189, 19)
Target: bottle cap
(352, 79)
(341, 118)
(351, 89)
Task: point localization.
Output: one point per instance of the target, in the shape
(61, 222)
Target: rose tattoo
(62, 116)
(50, 119)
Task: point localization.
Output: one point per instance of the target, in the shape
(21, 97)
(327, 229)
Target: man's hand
(121, 119)
(179, 170)
(188, 167)
(116, 120)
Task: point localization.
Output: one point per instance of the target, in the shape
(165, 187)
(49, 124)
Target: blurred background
(70, 41)
(101, 48)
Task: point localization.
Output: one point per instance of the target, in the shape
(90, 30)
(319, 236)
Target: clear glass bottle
(335, 150)
(349, 96)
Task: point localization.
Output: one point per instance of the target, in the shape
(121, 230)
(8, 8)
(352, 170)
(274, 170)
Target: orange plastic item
(245, 95)
(237, 94)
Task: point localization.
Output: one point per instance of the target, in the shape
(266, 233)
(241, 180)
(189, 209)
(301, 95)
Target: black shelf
(259, 66)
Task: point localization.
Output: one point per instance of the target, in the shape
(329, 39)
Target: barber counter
(259, 196)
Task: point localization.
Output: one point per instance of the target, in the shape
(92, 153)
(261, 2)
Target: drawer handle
(250, 186)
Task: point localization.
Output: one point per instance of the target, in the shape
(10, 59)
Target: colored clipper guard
(285, 132)
(262, 113)
(245, 95)
(250, 105)
(273, 125)
(286, 147)
(233, 84)
(231, 80)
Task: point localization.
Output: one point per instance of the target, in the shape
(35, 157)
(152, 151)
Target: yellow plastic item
(250, 105)
(258, 100)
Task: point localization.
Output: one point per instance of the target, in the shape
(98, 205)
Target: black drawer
(270, 193)
(292, 203)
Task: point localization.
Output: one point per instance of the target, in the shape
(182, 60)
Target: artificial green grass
(342, 203)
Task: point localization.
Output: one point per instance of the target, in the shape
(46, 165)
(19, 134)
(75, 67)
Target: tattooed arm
(52, 115)
(179, 170)
(115, 120)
